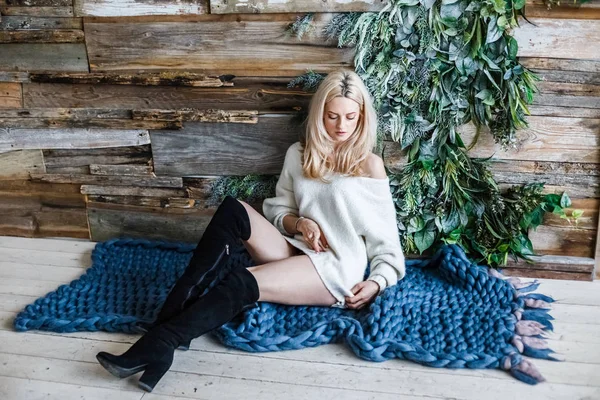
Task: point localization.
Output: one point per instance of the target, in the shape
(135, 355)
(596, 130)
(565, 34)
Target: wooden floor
(35, 365)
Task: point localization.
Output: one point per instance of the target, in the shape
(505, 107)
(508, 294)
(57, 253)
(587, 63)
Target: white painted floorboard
(45, 365)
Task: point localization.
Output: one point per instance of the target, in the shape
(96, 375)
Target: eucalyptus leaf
(493, 33)
(565, 201)
(502, 22)
(518, 4)
(424, 239)
(450, 221)
(428, 3)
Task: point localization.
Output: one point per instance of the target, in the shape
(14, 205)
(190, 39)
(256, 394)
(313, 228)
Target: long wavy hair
(349, 156)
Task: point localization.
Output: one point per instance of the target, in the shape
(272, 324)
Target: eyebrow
(331, 112)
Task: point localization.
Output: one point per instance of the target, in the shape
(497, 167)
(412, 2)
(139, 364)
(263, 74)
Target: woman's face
(341, 116)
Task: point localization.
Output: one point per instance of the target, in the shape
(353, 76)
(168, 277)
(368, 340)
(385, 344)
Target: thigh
(292, 281)
(266, 243)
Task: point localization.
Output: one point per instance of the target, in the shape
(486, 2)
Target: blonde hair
(317, 145)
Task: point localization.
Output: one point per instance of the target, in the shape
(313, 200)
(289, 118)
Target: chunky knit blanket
(446, 312)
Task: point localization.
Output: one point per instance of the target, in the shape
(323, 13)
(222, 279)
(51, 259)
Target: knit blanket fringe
(447, 311)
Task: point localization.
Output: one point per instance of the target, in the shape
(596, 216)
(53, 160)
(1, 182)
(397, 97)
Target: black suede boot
(153, 352)
(229, 224)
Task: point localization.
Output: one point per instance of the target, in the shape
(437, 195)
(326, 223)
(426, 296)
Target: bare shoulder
(374, 167)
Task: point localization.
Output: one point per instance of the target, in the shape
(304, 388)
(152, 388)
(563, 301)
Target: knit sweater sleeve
(284, 202)
(382, 242)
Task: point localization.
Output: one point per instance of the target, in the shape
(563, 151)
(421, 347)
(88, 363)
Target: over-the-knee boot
(229, 224)
(153, 353)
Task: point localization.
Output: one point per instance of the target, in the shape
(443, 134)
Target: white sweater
(356, 215)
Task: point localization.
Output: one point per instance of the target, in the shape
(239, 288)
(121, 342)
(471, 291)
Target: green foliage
(309, 81)
(302, 26)
(551, 3)
(250, 188)
(434, 65)
(447, 197)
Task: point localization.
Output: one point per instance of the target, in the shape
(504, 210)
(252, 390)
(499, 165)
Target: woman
(333, 212)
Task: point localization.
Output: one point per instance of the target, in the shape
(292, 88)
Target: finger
(356, 299)
(356, 289)
(322, 244)
(325, 242)
(316, 243)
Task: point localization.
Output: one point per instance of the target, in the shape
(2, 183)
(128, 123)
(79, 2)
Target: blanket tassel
(533, 321)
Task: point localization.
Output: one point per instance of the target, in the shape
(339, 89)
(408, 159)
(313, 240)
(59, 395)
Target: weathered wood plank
(70, 138)
(225, 149)
(139, 201)
(123, 170)
(145, 181)
(45, 57)
(586, 78)
(65, 158)
(199, 47)
(93, 123)
(555, 263)
(39, 3)
(550, 240)
(569, 88)
(292, 6)
(21, 203)
(560, 64)
(132, 191)
(19, 164)
(596, 272)
(255, 96)
(8, 76)
(190, 114)
(66, 113)
(18, 226)
(11, 95)
(39, 22)
(567, 100)
(42, 36)
(37, 11)
(42, 211)
(106, 223)
(559, 111)
(64, 223)
(108, 8)
(27, 388)
(168, 78)
(548, 38)
(548, 274)
(567, 10)
(546, 139)
(29, 187)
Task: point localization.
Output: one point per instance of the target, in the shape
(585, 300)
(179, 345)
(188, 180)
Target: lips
(341, 133)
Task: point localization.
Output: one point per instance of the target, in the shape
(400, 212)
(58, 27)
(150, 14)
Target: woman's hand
(313, 236)
(364, 292)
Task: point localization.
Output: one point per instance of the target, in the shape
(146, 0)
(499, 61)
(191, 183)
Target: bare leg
(284, 274)
(266, 243)
(292, 281)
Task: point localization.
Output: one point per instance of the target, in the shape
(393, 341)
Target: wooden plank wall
(117, 116)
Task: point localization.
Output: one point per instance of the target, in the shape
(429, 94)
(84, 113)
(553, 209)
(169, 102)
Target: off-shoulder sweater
(356, 215)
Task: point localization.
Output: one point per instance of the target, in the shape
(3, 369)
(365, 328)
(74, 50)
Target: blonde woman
(332, 213)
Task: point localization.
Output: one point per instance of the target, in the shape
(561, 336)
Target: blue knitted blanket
(446, 312)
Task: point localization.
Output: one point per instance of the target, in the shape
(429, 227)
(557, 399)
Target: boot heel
(110, 363)
(151, 376)
(184, 346)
